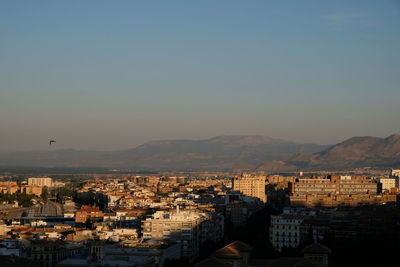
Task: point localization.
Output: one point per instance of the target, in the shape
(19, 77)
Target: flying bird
(51, 141)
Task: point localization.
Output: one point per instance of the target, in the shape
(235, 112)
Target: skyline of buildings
(156, 219)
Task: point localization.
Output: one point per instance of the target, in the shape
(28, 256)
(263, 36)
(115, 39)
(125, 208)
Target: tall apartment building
(189, 228)
(313, 186)
(40, 181)
(285, 230)
(334, 185)
(356, 185)
(251, 186)
(236, 209)
(336, 190)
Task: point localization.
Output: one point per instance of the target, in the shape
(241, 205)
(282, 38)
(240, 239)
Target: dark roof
(13, 261)
(316, 248)
(212, 262)
(223, 256)
(292, 262)
(241, 246)
(233, 250)
(226, 252)
(87, 208)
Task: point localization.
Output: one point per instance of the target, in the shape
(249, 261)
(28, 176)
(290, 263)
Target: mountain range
(223, 153)
(365, 151)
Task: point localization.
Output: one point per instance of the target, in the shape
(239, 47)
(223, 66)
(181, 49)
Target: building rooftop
(316, 248)
(233, 250)
(288, 262)
(89, 209)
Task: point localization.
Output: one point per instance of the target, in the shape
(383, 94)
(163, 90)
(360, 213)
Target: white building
(285, 230)
(189, 228)
(387, 183)
(40, 181)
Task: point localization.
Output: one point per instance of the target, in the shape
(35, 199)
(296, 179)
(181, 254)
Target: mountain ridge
(225, 152)
(361, 151)
(244, 152)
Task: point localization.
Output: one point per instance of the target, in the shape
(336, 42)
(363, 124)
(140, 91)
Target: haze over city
(108, 75)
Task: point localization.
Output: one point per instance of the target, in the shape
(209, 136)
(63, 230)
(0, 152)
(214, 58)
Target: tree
(45, 193)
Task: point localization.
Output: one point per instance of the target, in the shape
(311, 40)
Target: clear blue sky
(114, 74)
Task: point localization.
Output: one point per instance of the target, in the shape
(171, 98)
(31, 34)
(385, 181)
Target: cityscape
(200, 219)
(199, 133)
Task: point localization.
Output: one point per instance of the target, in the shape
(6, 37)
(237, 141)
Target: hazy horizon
(60, 146)
(100, 75)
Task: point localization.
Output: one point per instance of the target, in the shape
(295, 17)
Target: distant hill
(218, 153)
(223, 153)
(365, 151)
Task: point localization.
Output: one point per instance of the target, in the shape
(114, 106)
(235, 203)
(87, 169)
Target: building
(285, 230)
(159, 252)
(334, 185)
(212, 228)
(124, 254)
(180, 226)
(238, 208)
(238, 254)
(189, 228)
(337, 190)
(13, 247)
(235, 254)
(47, 253)
(32, 189)
(395, 173)
(314, 255)
(8, 187)
(340, 200)
(304, 186)
(355, 185)
(88, 213)
(251, 186)
(387, 183)
(40, 181)
(318, 253)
